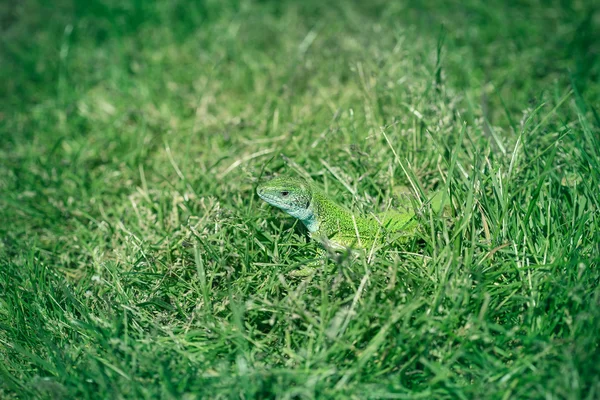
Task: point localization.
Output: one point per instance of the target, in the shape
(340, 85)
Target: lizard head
(292, 195)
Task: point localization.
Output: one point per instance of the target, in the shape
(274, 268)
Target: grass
(137, 261)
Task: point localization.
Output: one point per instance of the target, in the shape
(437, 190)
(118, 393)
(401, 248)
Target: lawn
(136, 260)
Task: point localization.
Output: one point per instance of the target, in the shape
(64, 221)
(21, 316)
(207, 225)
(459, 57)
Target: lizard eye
(285, 193)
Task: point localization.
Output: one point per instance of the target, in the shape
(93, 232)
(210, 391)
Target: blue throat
(311, 223)
(306, 215)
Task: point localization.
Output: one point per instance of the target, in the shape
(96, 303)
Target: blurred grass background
(137, 261)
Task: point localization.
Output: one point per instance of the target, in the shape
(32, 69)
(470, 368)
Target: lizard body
(330, 222)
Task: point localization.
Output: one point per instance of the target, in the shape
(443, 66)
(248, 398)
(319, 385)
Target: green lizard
(331, 224)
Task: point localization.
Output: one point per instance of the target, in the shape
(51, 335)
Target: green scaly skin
(328, 222)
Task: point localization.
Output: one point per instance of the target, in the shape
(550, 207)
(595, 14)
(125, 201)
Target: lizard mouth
(261, 193)
(267, 196)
